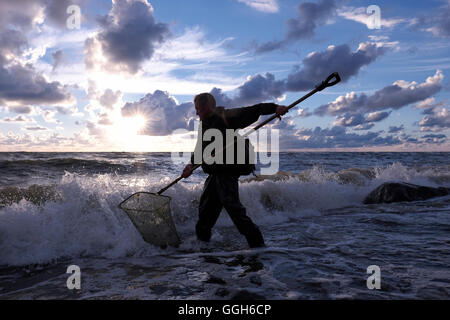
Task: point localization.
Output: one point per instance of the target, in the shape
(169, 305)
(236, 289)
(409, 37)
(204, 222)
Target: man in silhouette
(221, 188)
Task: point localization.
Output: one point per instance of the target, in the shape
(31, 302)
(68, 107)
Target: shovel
(150, 212)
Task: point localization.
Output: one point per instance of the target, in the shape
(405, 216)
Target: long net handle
(176, 180)
(324, 84)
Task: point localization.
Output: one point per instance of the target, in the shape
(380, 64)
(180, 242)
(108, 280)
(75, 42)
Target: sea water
(61, 209)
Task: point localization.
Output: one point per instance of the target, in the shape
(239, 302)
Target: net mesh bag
(150, 213)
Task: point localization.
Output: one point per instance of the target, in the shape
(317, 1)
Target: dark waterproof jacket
(222, 119)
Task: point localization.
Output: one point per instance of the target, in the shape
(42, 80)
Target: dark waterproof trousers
(222, 191)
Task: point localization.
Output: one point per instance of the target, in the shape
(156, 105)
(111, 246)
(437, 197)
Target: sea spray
(84, 220)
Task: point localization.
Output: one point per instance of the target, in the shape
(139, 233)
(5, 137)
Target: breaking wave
(79, 216)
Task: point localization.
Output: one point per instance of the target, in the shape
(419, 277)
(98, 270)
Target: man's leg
(208, 210)
(228, 191)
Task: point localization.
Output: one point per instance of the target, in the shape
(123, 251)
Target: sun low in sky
(87, 75)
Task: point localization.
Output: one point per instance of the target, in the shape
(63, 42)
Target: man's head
(204, 105)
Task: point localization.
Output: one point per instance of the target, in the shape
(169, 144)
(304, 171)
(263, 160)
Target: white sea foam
(86, 221)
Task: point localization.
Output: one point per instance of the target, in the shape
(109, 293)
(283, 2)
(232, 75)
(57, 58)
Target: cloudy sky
(121, 75)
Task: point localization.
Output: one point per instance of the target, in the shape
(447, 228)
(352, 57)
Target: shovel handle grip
(328, 83)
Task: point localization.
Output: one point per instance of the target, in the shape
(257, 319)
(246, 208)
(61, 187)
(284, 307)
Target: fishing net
(150, 213)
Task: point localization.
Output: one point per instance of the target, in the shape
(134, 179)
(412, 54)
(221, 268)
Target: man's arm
(239, 118)
(187, 171)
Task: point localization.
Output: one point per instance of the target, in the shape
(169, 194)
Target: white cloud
(184, 64)
(401, 93)
(49, 116)
(191, 46)
(360, 15)
(46, 140)
(437, 119)
(172, 84)
(269, 6)
(428, 103)
(48, 37)
(378, 38)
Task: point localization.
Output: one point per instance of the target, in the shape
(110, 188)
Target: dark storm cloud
(434, 138)
(438, 119)
(162, 113)
(12, 42)
(409, 139)
(20, 109)
(23, 84)
(56, 10)
(394, 129)
(22, 14)
(259, 88)
(310, 16)
(394, 96)
(269, 46)
(361, 111)
(255, 90)
(317, 66)
(58, 59)
(128, 37)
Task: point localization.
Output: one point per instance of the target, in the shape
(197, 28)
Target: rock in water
(400, 191)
